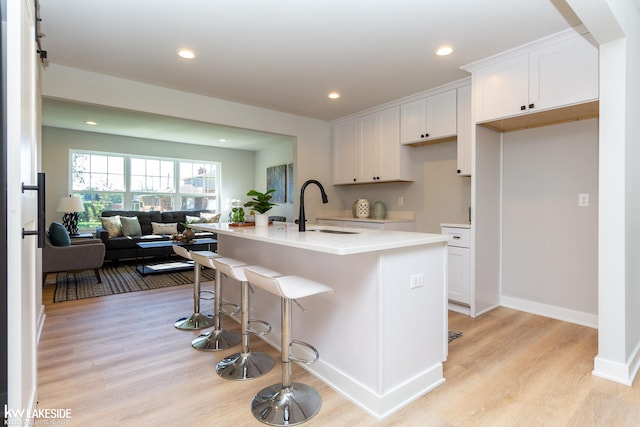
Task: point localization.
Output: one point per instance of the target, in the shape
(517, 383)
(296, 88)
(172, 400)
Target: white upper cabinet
(502, 89)
(367, 149)
(430, 118)
(564, 73)
(345, 151)
(561, 73)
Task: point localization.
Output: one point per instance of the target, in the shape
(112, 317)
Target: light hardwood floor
(118, 360)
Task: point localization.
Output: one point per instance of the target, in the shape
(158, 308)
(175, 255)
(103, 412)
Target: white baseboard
(552, 311)
(623, 373)
(462, 309)
(375, 404)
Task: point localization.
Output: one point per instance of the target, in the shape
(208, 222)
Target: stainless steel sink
(324, 230)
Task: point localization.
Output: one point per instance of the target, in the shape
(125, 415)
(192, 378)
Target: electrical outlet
(400, 201)
(583, 199)
(416, 281)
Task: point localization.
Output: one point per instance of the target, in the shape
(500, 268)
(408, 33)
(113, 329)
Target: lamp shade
(70, 204)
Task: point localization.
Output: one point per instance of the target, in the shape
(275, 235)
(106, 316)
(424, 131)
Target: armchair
(83, 254)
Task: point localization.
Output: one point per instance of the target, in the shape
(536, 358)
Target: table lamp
(70, 206)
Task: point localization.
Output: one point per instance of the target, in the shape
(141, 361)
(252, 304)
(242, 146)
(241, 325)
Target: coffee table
(171, 266)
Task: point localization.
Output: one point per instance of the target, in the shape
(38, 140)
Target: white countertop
(452, 225)
(382, 221)
(365, 240)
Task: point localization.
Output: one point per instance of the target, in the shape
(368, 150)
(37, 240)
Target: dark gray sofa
(117, 248)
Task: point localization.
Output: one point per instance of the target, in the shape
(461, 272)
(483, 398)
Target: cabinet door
(413, 119)
(458, 275)
(391, 166)
(380, 146)
(501, 90)
(370, 146)
(562, 74)
(464, 130)
(345, 151)
(441, 115)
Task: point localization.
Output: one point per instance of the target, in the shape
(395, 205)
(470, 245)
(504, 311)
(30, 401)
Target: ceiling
(285, 55)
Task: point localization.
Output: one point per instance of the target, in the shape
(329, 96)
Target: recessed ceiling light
(186, 53)
(334, 95)
(91, 122)
(443, 51)
(222, 140)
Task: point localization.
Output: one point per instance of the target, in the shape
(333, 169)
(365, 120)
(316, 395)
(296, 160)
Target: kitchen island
(382, 336)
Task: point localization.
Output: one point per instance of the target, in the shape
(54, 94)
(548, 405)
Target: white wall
(437, 195)
(615, 25)
(238, 166)
(312, 151)
(549, 243)
(280, 154)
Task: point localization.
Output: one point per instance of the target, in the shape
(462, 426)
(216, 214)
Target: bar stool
(287, 403)
(217, 339)
(246, 364)
(197, 320)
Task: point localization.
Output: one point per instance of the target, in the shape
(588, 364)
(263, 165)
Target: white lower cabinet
(459, 262)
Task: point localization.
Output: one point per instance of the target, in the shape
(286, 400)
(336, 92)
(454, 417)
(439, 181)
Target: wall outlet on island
(400, 201)
(416, 281)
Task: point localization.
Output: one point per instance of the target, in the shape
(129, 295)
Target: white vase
(362, 208)
(262, 220)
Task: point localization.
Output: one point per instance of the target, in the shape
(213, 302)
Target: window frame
(176, 195)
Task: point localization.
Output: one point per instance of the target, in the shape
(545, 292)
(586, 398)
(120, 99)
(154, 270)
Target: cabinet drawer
(461, 236)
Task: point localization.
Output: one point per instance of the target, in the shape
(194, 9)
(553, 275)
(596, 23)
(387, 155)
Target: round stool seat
(197, 320)
(245, 364)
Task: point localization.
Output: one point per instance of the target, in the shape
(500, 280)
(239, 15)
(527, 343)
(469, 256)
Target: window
(120, 181)
(97, 172)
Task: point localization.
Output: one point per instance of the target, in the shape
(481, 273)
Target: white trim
(622, 373)
(526, 48)
(552, 311)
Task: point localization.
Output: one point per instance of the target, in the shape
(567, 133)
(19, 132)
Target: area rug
(454, 335)
(118, 279)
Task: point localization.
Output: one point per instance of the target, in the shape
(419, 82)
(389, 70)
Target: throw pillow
(59, 235)
(193, 219)
(112, 224)
(130, 226)
(162, 228)
(209, 217)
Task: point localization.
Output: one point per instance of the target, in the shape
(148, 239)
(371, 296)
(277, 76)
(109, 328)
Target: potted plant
(260, 203)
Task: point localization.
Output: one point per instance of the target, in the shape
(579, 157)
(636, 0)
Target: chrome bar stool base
(197, 320)
(244, 366)
(286, 406)
(216, 340)
(287, 403)
(194, 322)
